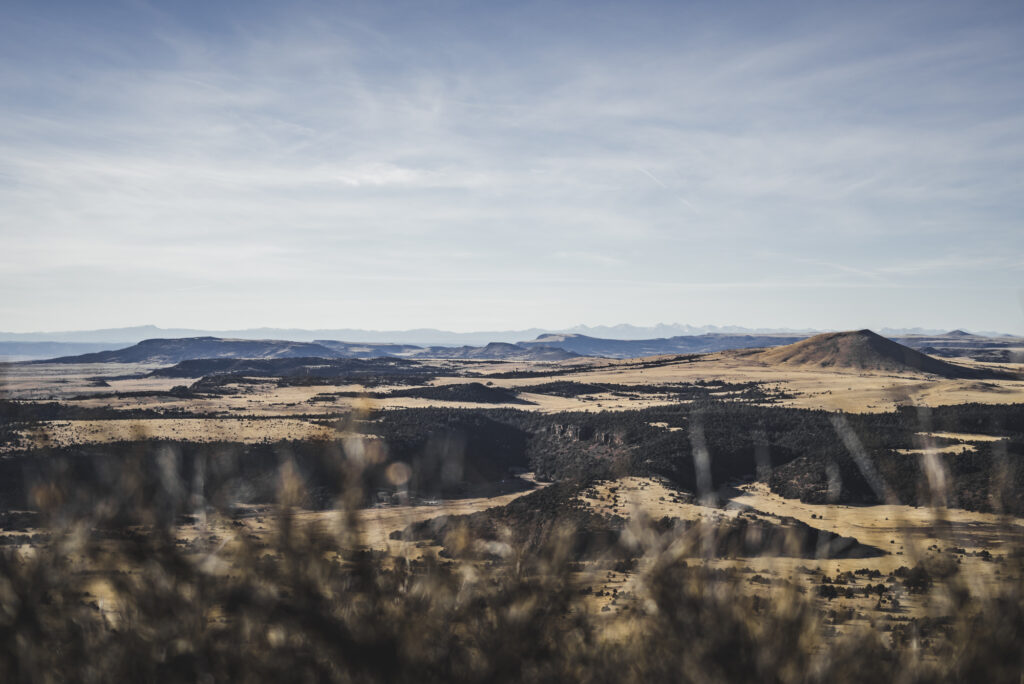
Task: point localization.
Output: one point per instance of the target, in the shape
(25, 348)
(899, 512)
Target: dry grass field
(965, 555)
(911, 535)
(815, 388)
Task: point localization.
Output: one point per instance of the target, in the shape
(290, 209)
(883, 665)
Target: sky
(502, 165)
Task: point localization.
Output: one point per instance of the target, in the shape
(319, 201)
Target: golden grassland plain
(908, 534)
(264, 411)
(814, 388)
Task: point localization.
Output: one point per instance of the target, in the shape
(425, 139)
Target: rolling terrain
(546, 346)
(869, 480)
(175, 350)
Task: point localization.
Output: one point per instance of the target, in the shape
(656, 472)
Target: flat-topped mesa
(863, 350)
(174, 350)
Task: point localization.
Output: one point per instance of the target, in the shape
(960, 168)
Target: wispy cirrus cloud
(868, 146)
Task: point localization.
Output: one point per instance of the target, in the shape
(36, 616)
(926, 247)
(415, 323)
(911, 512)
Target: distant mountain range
(546, 347)
(421, 336)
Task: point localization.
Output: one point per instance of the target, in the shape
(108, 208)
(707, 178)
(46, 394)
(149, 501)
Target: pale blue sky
(486, 165)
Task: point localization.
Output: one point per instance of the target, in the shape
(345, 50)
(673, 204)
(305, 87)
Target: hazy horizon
(507, 166)
(435, 335)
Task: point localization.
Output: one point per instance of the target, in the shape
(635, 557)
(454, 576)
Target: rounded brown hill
(862, 350)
